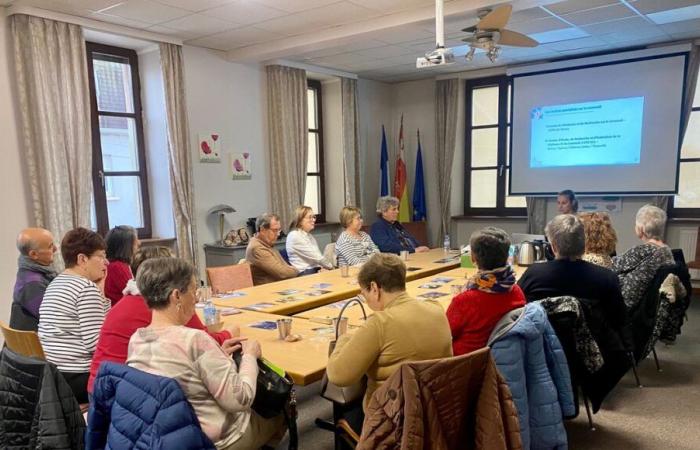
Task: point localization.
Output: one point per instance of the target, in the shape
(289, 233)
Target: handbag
(347, 394)
(274, 391)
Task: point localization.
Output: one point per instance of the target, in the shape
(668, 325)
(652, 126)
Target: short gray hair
(264, 220)
(651, 221)
(567, 234)
(386, 202)
(157, 278)
(24, 245)
(490, 247)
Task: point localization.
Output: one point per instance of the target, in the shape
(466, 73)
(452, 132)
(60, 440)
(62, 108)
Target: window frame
(684, 213)
(316, 86)
(99, 175)
(504, 135)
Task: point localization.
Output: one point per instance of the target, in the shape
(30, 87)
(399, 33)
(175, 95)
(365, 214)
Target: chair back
(229, 278)
(330, 254)
(418, 230)
(25, 343)
(285, 255)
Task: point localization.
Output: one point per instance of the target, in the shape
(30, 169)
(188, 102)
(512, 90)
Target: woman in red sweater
(122, 243)
(132, 313)
(489, 294)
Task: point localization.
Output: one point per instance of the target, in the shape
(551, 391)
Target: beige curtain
(352, 169)
(53, 91)
(288, 137)
(446, 95)
(180, 155)
(536, 214)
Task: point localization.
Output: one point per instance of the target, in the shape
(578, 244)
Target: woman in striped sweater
(74, 308)
(353, 246)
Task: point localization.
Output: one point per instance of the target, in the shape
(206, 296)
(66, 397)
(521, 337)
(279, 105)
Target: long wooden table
(439, 288)
(300, 294)
(305, 360)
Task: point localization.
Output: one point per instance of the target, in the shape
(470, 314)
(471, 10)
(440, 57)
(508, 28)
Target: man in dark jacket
(34, 273)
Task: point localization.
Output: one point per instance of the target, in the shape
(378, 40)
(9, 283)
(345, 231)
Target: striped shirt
(353, 250)
(70, 319)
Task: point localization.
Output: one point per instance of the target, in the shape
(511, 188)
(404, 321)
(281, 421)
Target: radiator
(688, 242)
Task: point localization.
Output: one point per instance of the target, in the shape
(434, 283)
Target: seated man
(34, 273)
(568, 274)
(266, 263)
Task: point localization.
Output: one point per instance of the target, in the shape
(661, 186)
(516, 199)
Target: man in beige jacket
(266, 263)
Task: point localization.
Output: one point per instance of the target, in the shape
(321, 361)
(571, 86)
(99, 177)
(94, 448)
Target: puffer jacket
(530, 358)
(450, 403)
(37, 406)
(132, 409)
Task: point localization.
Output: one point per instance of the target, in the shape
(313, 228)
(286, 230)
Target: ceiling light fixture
(470, 54)
(493, 53)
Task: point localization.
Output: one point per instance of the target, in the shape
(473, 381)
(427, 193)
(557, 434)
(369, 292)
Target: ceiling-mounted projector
(438, 57)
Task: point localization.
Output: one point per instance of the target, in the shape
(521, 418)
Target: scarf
(25, 262)
(497, 281)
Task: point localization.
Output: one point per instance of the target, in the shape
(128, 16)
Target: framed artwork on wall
(239, 165)
(209, 147)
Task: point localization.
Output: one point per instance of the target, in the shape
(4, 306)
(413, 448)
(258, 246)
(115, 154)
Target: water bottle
(511, 255)
(209, 313)
(446, 244)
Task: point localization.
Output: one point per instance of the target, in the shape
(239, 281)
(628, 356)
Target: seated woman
(73, 309)
(122, 243)
(490, 293)
(302, 248)
(131, 313)
(388, 233)
(402, 329)
(637, 267)
(601, 238)
(568, 274)
(353, 246)
(221, 394)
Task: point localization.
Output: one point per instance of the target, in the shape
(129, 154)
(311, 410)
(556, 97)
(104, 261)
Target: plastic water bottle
(511, 255)
(209, 313)
(446, 244)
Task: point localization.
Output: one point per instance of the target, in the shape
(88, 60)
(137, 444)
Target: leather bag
(347, 394)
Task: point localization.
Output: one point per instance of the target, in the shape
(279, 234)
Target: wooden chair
(25, 343)
(229, 278)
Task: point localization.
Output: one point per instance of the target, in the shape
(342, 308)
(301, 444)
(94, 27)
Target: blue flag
(420, 210)
(384, 168)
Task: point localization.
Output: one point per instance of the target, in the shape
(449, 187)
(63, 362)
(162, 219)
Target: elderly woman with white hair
(638, 266)
(389, 235)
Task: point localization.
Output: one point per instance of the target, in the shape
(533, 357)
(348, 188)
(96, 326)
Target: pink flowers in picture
(240, 166)
(209, 147)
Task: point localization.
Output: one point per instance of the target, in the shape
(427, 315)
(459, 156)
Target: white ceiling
(380, 39)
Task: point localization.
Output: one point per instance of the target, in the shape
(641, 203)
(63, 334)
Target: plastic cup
(342, 327)
(284, 327)
(344, 271)
(404, 255)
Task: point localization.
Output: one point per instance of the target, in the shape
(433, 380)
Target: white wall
(15, 202)
(156, 137)
(227, 98)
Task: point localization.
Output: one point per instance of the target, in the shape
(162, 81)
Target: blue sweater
(132, 409)
(392, 237)
(531, 359)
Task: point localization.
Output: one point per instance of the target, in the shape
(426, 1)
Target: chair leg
(656, 360)
(634, 369)
(588, 412)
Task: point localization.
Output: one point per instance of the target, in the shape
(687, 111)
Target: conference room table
(440, 288)
(295, 295)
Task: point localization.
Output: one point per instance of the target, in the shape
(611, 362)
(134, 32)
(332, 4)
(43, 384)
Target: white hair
(651, 221)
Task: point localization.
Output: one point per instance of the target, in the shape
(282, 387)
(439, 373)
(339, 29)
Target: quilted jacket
(37, 406)
(136, 410)
(450, 403)
(530, 358)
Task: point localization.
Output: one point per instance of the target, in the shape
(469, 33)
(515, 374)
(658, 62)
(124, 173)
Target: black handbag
(272, 395)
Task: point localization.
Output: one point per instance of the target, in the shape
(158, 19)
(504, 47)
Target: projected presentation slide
(600, 133)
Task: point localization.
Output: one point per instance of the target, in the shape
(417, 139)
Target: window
(487, 137)
(687, 202)
(118, 153)
(315, 182)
